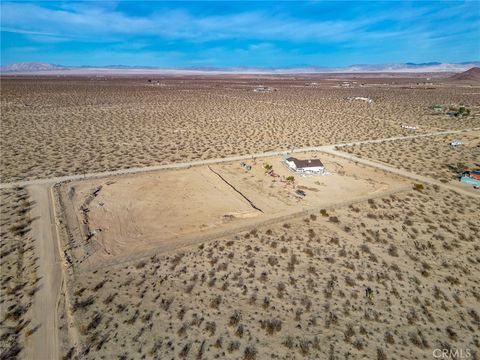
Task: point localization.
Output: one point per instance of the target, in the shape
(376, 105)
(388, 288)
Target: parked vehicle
(471, 178)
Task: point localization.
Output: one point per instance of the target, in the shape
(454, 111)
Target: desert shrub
(389, 339)
(211, 327)
(288, 342)
(233, 346)
(272, 260)
(250, 353)
(349, 281)
(331, 319)
(418, 187)
(84, 303)
(381, 354)
(235, 318)
(417, 338)
(266, 302)
(281, 289)
(349, 333)
(185, 350)
(240, 330)
(272, 326)
(304, 347)
(216, 301)
(365, 248)
(358, 344)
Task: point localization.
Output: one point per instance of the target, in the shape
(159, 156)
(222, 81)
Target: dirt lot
(120, 217)
(430, 156)
(61, 126)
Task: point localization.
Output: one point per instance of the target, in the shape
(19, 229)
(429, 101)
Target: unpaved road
(44, 343)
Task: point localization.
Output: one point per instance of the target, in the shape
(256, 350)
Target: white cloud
(102, 22)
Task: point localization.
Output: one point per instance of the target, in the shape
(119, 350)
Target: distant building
(457, 143)
(264, 89)
(311, 166)
(361, 98)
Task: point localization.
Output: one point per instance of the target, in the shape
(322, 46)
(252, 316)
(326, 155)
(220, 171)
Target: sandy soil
(431, 156)
(119, 217)
(297, 289)
(60, 126)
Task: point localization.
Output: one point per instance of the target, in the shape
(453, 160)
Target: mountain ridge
(33, 67)
(472, 74)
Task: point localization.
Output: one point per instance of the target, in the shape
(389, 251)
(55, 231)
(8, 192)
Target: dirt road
(44, 342)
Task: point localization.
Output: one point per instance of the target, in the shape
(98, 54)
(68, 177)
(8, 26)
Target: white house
(313, 166)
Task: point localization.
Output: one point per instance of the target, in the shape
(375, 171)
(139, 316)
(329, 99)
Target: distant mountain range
(38, 67)
(31, 67)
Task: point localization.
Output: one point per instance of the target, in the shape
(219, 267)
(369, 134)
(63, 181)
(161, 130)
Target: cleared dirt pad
(118, 218)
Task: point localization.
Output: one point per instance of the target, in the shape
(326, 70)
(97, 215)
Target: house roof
(302, 164)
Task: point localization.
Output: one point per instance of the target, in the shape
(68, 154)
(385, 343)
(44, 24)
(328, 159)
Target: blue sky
(242, 33)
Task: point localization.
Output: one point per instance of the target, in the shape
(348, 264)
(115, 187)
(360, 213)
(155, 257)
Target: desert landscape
(244, 180)
(157, 217)
(57, 126)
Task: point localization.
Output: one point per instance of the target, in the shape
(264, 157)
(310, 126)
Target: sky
(262, 34)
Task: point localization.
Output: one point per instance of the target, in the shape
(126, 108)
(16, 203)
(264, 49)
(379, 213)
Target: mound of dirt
(472, 74)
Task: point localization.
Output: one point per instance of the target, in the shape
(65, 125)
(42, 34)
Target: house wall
(291, 164)
(312, 169)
